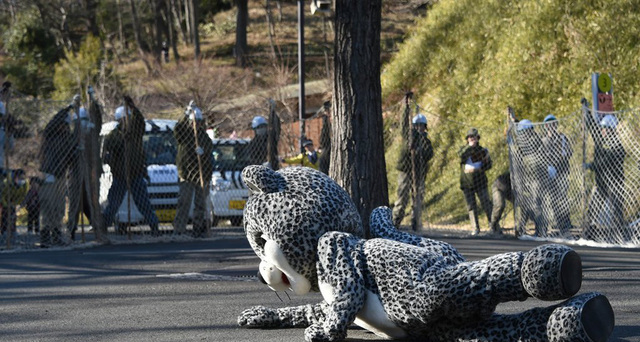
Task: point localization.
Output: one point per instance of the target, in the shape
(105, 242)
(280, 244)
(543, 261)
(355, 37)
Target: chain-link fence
(456, 163)
(577, 177)
(133, 178)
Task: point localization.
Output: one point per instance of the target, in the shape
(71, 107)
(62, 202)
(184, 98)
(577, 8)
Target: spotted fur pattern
(425, 286)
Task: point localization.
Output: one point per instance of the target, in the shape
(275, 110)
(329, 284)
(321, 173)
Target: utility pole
(301, 108)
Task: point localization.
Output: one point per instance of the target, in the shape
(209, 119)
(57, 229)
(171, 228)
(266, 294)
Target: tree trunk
(241, 31)
(194, 9)
(170, 29)
(177, 15)
(120, 26)
(156, 5)
(187, 19)
(91, 18)
(357, 147)
(143, 48)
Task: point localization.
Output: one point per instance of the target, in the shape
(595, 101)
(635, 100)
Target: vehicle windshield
(226, 157)
(160, 147)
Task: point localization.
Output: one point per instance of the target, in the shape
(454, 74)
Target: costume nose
(261, 278)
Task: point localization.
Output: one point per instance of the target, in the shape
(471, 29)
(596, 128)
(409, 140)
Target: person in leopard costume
(308, 235)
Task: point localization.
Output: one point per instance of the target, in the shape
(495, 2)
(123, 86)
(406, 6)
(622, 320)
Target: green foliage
(32, 51)
(77, 71)
(467, 61)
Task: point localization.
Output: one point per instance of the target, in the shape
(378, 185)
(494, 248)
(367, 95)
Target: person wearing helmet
(474, 162)
(422, 152)
(14, 190)
(6, 136)
(195, 168)
(256, 149)
(57, 152)
(309, 158)
(124, 152)
(608, 168)
(84, 133)
(501, 192)
(557, 151)
(530, 173)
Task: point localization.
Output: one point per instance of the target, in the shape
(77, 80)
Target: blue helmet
(120, 112)
(419, 119)
(550, 117)
(524, 125)
(258, 121)
(609, 121)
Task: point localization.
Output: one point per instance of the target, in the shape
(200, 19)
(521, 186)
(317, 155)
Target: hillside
(217, 83)
(467, 61)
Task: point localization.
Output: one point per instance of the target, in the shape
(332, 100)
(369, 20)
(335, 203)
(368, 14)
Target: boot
(154, 230)
(45, 237)
(56, 237)
(495, 228)
(473, 218)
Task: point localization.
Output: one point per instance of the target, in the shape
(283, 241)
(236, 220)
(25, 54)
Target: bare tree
(92, 25)
(357, 146)
(194, 11)
(143, 48)
(242, 19)
(169, 20)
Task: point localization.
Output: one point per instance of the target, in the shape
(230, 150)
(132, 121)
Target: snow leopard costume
(308, 235)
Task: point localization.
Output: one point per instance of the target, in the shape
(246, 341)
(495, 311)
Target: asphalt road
(193, 291)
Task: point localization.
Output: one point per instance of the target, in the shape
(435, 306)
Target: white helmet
(419, 119)
(609, 121)
(196, 113)
(120, 112)
(2, 108)
(83, 114)
(258, 121)
(524, 125)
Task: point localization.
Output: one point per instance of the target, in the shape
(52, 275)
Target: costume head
(287, 212)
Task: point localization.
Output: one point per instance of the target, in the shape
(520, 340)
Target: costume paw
(259, 317)
(552, 272)
(316, 333)
(588, 317)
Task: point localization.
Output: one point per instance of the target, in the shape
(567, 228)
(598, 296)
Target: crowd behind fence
(139, 177)
(578, 177)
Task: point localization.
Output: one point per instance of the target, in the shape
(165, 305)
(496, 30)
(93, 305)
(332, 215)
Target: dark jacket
(608, 158)
(423, 153)
(58, 150)
(32, 200)
(123, 148)
(557, 151)
(187, 158)
(477, 179)
(255, 152)
(608, 164)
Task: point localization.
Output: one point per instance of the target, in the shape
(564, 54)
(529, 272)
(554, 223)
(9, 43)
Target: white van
(228, 193)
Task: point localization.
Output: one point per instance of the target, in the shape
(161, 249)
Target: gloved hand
(199, 151)
(552, 171)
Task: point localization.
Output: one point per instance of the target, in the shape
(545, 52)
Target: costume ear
(261, 179)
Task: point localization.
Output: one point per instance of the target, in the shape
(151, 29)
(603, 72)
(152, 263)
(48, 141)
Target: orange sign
(605, 102)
